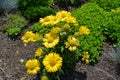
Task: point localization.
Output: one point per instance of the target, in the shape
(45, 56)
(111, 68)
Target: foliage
(72, 2)
(14, 24)
(33, 13)
(33, 9)
(113, 26)
(92, 16)
(107, 4)
(60, 41)
(34, 3)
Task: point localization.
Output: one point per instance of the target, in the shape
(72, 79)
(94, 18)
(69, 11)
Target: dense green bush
(107, 4)
(14, 24)
(34, 3)
(92, 16)
(113, 27)
(34, 9)
(37, 12)
(37, 27)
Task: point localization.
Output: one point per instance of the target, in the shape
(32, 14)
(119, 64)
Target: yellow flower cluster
(84, 30)
(52, 62)
(72, 43)
(29, 36)
(60, 16)
(86, 58)
(61, 29)
(33, 66)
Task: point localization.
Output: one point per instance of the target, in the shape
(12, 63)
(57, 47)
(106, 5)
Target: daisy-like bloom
(29, 36)
(63, 15)
(84, 30)
(71, 20)
(50, 40)
(86, 58)
(39, 52)
(52, 62)
(44, 78)
(72, 43)
(49, 20)
(33, 66)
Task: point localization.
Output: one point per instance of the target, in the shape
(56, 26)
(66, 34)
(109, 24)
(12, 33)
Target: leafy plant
(107, 4)
(33, 13)
(92, 16)
(113, 26)
(60, 41)
(34, 9)
(14, 24)
(34, 3)
(13, 31)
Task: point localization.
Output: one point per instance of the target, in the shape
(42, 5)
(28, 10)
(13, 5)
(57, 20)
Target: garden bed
(99, 21)
(11, 69)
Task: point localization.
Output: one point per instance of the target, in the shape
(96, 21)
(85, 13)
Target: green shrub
(33, 13)
(107, 4)
(34, 9)
(14, 24)
(37, 27)
(13, 31)
(34, 3)
(113, 27)
(92, 16)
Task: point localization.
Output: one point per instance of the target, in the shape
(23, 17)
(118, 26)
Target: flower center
(52, 62)
(47, 19)
(31, 66)
(50, 39)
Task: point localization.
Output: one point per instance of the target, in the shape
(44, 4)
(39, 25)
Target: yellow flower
(50, 40)
(72, 43)
(52, 62)
(63, 15)
(29, 36)
(86, 58)
(66, 27)
(71, 20)
(84, 30)
(44, 78)
(49, 20)
(39, 52)
(55, 30)
(33, 66)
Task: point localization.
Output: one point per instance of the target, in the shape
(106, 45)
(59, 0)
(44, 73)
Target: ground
(12, 51)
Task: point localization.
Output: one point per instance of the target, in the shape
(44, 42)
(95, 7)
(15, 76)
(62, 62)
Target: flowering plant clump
(59, 38)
